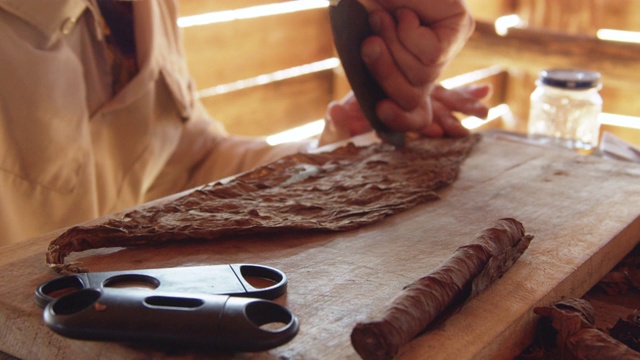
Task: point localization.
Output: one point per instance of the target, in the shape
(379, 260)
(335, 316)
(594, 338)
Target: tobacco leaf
(627, 331)
(571, 321)
(498, 265)
(615, 282)
(333, 191)
(624, 277)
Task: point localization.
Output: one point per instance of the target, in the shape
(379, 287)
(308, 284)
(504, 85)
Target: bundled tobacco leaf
(471, 269)
(627, 331)
(572, 323)
(333, 191)
(616, 282)
(624, 277)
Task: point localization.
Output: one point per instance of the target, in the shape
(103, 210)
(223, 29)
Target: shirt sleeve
(207, 153)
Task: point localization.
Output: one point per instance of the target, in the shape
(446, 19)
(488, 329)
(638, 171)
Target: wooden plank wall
(222, 53)
(558, 34)
(553, 34)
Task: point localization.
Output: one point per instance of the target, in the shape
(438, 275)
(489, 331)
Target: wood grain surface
(583, 211)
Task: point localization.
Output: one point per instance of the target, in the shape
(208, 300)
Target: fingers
(399, 119)
(402, 75)
(453, 13)
(434, 130)
(334, 125)
(445, 123)
(446, 24)
(411, 46)
(445, 102)
(419, 40)
(413, 41)
(405, 59)
(465, 99)
(343, 120)
(433, 118)
(384, 69)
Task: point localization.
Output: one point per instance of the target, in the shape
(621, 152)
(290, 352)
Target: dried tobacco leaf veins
(333, 191)
(576, 335)
(466, 273)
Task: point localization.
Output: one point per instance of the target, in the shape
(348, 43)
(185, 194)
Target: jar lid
(570, 78)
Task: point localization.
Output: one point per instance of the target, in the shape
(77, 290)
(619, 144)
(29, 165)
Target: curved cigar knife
(350, 26)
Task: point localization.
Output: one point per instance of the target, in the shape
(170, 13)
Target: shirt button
(68, 25)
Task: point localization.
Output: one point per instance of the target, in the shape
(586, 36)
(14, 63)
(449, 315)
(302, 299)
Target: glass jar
(564, 109)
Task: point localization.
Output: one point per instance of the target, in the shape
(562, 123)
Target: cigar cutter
(221, 307)
(245, 280)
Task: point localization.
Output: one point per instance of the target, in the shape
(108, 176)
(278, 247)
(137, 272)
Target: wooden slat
(275, 107)
(520, 85)
(196, 7)
(563, 15)
(226, 52)
(621, 14)
(580, 16)
(341, 86)
(630, 135)
(498, 78)
(489, 10)
(527, 51)
(230, 51)
(620, 101)
(533, 49)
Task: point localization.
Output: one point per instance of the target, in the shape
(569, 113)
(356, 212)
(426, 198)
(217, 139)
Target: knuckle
(413, 100)
(421, 78)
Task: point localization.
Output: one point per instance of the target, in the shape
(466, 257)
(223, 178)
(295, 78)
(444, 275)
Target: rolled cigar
(467, 272)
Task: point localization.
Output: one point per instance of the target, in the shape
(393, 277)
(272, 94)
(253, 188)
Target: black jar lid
(571, 79)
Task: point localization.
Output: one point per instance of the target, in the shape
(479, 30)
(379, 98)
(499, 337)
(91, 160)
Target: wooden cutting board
(584, 212)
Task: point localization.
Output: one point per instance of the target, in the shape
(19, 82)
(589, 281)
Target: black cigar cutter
(218, 307)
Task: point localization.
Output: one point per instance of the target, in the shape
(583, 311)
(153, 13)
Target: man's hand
(413, 41)
(344, 118)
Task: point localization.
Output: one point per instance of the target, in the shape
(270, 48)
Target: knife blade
(350, 27)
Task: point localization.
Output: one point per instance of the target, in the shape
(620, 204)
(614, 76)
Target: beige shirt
(69, 150)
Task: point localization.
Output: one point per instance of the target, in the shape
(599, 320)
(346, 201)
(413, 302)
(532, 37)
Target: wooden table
(583, 210)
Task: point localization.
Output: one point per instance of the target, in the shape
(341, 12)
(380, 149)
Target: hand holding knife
(350, 26)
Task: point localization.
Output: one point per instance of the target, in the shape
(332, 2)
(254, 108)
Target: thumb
(335, 124)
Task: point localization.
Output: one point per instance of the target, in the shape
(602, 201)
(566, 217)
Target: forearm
(231, 155)
(206, 153)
